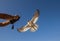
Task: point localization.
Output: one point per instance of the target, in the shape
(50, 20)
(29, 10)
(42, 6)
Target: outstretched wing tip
(18, 30)
(38, 11)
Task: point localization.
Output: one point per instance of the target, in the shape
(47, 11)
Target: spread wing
(24, 28)
(5, 16)
(35, 17)
(4, 23)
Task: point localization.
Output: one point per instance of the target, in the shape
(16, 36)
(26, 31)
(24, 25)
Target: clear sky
(49, 20)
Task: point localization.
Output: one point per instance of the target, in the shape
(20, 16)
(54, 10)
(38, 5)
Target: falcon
(9, 19)
(31, 24)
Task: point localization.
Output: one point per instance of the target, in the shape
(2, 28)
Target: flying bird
(9, 19)
(31, 24)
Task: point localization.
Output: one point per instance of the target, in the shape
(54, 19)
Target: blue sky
(49, 20)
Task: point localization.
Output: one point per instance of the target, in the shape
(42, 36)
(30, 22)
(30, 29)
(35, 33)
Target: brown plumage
(9, 19)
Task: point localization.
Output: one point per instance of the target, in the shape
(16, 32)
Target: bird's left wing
(24, 28)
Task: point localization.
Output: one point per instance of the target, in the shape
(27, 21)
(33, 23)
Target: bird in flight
(31, 24)
(9, 19)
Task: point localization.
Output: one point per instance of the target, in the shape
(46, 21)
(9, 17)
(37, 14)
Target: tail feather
(34, 28)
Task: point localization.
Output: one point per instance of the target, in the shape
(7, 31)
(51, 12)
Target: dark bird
(9, 19)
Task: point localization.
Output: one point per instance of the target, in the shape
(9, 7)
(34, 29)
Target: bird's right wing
(35, 17)
(4, 23)
(24, 28)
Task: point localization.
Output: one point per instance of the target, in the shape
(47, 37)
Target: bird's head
(16, 18)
